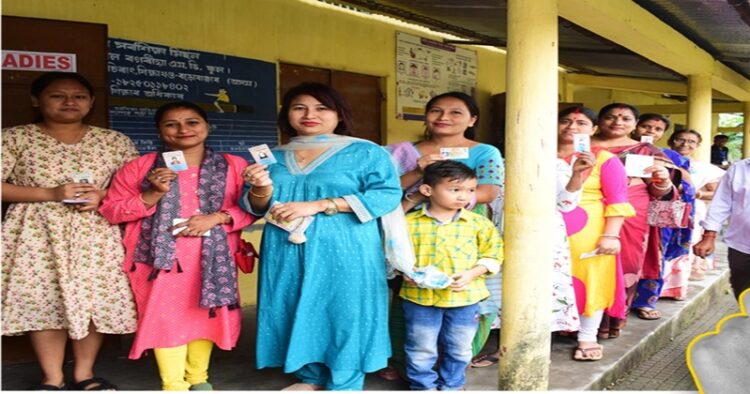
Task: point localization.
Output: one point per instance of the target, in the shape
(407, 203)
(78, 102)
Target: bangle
(260, 195)
(609, 236)
(658, 187)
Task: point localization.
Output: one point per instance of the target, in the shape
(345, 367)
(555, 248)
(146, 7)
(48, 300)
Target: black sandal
(101, 384)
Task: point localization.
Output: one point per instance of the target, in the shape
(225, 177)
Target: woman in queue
(450, 120)
(594, 226)
(323, 303)
(60, 273)
(705, 177)
(641, 255)
(675, 242)
(181, 231)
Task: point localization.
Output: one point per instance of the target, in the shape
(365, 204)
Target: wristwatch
(332, 208)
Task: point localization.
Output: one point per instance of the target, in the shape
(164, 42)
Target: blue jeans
(453, 329)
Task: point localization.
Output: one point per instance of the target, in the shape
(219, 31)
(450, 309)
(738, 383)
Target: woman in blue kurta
(322, 304)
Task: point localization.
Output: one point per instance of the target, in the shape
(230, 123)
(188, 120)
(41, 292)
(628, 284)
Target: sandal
(589, 353)
(205, 386)
(47, 387)
(604, 333)
(648, 313)
(389, 373)
(485, 360)
(614, 333)
(94, 384)
(303, 387)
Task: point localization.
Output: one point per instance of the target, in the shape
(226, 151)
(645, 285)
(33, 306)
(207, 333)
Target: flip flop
(648, 314)
(389, 373)
(47, 387)
(94, 384)
(485, 360)
(586, 354)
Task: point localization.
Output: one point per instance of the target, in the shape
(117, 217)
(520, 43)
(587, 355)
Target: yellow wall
(293, 31)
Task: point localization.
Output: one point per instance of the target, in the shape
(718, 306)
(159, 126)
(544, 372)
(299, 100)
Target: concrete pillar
(746, 130)
(531, 145)
(699, 112)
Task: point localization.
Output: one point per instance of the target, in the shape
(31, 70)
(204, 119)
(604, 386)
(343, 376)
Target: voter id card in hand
(262, 154)
(582, 142)
(175, 160)
(635, 164)
(79, 177)
(647, 139)
(454, 153)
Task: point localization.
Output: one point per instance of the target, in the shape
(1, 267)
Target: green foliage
(735, 139)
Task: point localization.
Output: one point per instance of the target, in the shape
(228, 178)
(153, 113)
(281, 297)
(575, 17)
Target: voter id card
(582, 142)
(454, 153)
(262, 154)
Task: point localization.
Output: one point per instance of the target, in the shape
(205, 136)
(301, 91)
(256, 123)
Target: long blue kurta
(326, 300)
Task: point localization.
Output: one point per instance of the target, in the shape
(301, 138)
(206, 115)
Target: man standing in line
(731, 202)
(720, 152)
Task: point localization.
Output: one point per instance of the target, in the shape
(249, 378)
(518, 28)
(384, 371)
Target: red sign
(39, 61)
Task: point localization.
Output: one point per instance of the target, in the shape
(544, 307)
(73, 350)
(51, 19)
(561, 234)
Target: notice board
(239, 94)
(426, 68)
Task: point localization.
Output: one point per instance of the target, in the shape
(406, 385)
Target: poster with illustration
(426, 68)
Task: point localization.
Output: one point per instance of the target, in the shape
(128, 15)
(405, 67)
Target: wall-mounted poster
(238, 94)
(426, 68)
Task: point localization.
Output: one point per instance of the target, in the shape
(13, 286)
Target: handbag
(245, 256)
(669, 214)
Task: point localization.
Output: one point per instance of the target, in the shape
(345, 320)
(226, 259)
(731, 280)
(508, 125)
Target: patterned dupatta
(156, 246)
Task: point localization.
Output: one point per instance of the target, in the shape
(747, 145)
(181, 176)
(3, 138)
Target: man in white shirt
(731, 202)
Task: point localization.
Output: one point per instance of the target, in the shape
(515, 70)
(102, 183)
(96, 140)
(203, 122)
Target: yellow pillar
(699, 112)
(531, 142)
(746, 130)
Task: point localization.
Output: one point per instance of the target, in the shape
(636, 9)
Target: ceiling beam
(631, 84)
(629, 25)
(682, 108)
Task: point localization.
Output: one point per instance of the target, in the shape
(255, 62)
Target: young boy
(465, 246)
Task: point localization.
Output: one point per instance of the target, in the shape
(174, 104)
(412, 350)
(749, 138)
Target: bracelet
(658, 187)
(609, 236)
(260, 195)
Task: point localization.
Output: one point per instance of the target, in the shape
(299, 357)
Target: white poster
(426, 68)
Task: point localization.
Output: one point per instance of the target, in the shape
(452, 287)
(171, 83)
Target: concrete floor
(235, 370)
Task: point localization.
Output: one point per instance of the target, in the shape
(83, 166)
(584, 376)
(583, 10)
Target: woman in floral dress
(60, 275)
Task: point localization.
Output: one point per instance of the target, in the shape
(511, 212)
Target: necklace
(308, 155)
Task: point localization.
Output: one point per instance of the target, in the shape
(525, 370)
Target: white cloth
(732, 202)
(702, 173)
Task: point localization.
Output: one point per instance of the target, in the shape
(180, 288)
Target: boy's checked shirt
(453, 247)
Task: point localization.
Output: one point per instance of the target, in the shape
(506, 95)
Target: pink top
(168, 311)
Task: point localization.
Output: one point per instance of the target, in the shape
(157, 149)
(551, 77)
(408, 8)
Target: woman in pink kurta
(174, 302)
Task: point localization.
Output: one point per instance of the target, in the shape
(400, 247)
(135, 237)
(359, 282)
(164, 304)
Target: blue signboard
(238, 94)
